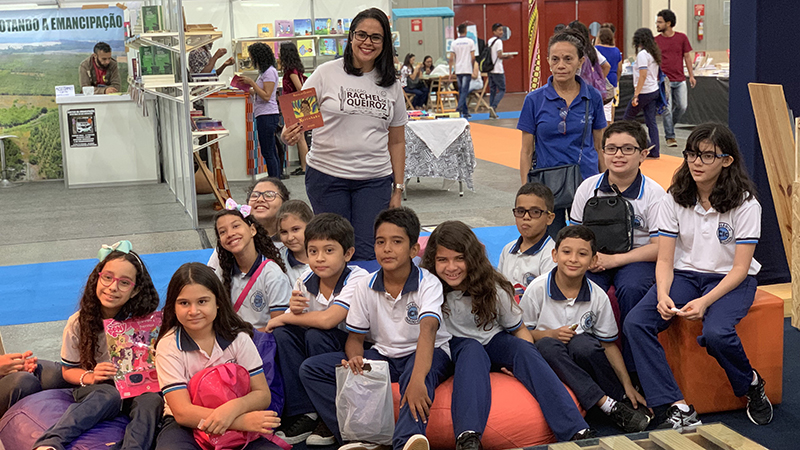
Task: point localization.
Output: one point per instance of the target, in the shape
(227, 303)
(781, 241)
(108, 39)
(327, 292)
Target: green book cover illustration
(152, 18)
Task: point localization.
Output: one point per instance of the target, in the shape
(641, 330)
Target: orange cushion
(701, 379)
(515, 419)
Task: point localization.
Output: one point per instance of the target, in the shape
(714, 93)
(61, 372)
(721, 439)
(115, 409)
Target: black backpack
(485, 62)
(611, 219)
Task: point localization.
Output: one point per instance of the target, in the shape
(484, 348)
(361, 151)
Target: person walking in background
(463, 54)
(497, 76)
(645, 82)
(595, 64)
(675, 50)
(605, 46)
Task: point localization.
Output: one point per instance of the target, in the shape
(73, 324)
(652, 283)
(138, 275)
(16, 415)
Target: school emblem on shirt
(588, 320)
(258, 301)
(638, 222)
(519, 291)
(724, 233)
(527, 278)
(358, 101)
(412, 314)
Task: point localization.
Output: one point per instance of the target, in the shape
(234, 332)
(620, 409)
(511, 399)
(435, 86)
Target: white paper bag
(364, 406)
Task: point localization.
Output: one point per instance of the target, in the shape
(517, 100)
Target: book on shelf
(152, 18)
(204, 77)
(342, 44)
(345, 26)
(284, 28)
(327, 46)
(266, 30)
(323, 27)
(303, 27)
(131, 346)
(156, 65)
(301, 107)
(305, 47)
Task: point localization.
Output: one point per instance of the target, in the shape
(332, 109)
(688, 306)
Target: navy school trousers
(472, 392)
(173, 436)
(582, 365)
(319, 378)
(295, 344)
(719, 334)
(631, 282)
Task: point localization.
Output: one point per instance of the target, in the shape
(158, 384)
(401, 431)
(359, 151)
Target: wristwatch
(400, 186)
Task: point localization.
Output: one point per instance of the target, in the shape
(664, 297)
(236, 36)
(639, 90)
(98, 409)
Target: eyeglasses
(705, 157)
(362, 36)
(563, 113)
(123, 284)
(268, 195)
(535, 213)
(625, 149)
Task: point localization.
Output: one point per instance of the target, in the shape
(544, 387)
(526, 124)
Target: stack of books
(156, 65)
(203, 123)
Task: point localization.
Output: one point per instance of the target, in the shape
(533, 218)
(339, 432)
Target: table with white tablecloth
(440, 148)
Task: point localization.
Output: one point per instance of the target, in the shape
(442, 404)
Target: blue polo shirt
(540, 117)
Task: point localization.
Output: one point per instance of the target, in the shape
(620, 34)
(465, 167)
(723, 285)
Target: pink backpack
(213, 387)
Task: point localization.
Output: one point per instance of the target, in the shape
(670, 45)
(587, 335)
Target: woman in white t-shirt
(356, 164)
(645, 81)
(411, 80)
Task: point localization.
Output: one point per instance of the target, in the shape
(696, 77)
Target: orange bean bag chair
(515, 419)
(701, 379)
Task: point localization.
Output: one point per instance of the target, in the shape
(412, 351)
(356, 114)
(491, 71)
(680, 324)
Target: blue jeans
(719, 337)
(472, 391)
(173, 436)
(463, 93)
(497, 89)
(420, 95)
(266, 126)
(647, 105)
(358, 201)
(678, 102)
(18, 385)
(98, 402)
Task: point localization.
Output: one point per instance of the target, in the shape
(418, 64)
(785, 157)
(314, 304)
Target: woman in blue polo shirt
(555, 119)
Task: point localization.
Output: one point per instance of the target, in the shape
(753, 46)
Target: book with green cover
(152, 18)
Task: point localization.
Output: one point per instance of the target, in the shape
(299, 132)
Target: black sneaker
(759, 409)
(679, 420)
(298, 171)
(297, 430)
(321, 435)
(469, 440)
(586, 433)
(628, 419)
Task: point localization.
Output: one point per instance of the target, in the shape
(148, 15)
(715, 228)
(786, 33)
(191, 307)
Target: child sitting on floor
(574, 328)
(293, 217)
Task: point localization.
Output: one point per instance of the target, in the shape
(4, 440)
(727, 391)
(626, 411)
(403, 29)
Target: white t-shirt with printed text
(463, 50)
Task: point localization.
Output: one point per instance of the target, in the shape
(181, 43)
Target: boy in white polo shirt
(633, 272)
(314, 323)
(531, 255)
(400, 307)
(573, 326)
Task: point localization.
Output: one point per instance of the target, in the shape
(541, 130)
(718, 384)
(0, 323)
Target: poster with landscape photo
(41, 49)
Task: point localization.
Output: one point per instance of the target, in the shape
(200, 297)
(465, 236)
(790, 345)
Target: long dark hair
(290, 58)
(407, 61)
(227, 324)
(262, 56)
(262, 241)
(586, 40)
(733, 186)
(643, 40)
(482, 279)
(283, 191)
(143, 301)
(384, 63)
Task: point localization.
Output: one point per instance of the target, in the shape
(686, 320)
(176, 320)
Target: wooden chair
(408, 97)
(478, 98)
(446, 94)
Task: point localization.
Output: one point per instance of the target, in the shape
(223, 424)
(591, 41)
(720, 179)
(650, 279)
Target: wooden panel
(794, 266)
(564, 446)
(727, 438)
(778, 146)
(618, 443)
(672, 440)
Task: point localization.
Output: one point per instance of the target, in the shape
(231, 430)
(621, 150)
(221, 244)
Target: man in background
(497, 76)
(675, 50)
(100, 71)
(463, 54)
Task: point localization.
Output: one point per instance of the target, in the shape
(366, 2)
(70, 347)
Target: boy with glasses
(632, 273)
(528, 257)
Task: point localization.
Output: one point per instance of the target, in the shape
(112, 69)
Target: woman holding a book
(265, 107)
(355, 167)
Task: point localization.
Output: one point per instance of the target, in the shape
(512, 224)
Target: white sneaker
(492, 113)
(417, 442)
(364, 446)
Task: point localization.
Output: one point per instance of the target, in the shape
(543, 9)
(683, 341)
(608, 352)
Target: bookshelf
(171, 40)
(315, 60)
(220, 134)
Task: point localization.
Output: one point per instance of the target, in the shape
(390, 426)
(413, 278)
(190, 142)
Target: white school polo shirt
(308, 285)
(213, 261)
(70, 343)
(707, 239)
(520, 268)
(294, 268)
(545, 307)
(393, 323)
(461, 322)
(644, 196)
(270, 292)
(178, 359)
